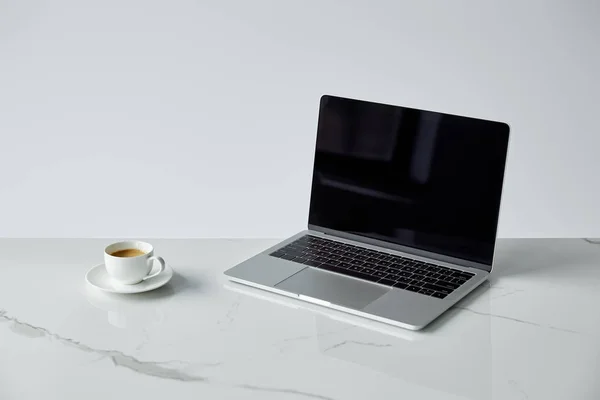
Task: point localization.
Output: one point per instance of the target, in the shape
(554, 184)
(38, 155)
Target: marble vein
(521, 321)
(162, 369)
(230, 315)
(119, 359)
(287, 391)
(592, 241)
(518, 388)
(145, 338)
(319, 335)
(515, 291)
(345, 342)
(288, 342)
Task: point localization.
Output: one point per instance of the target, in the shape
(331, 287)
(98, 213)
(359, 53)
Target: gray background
(197, 118)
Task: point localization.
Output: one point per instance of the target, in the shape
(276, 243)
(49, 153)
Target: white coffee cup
(130, 270)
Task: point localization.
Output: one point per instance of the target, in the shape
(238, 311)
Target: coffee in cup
(131, 262)
(127, 253)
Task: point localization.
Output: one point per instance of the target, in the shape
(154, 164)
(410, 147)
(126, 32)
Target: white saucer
(98, 278)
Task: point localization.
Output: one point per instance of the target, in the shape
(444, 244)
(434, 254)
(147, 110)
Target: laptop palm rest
(332, 288)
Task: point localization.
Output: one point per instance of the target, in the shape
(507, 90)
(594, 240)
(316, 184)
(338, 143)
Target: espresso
(127, 253)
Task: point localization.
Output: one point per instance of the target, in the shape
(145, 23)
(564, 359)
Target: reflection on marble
(532, 326)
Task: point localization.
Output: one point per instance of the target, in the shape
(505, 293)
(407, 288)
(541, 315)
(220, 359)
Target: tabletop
(532, 331)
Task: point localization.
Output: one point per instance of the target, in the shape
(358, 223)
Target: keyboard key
(426, 292)
(288, 257)
(278, 253)
(400, 285)
(413, 288)
(368, 271)
(369, 265)
(437, 288)
(312, 263)
(404, 274)
(357, 263)
(429, 280)
(360, 257)
(447, 284)
(439, 295)
(393, 270)
(458, 281)
(408, 269)
(355, 268)
(403, 280)
(386, 282)
(344, 265)
(379, 274)
(393, 277)
(380, 268)
(345, 259)
(384, 263)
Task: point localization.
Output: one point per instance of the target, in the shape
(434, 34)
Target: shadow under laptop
(452, 355)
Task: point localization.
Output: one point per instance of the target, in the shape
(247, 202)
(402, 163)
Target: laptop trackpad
(336, 289)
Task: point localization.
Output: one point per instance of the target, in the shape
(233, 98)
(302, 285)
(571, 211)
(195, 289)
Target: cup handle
(150, 261)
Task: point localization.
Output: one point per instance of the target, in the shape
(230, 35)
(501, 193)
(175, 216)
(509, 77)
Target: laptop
(403, 214)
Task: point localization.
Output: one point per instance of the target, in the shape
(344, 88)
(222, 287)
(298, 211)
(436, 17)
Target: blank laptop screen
(417, 178)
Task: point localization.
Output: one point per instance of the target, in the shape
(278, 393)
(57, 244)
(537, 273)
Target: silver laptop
(403, 214)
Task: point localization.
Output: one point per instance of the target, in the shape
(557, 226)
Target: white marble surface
(532, 332)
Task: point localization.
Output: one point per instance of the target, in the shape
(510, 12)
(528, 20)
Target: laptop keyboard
(374, 266)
